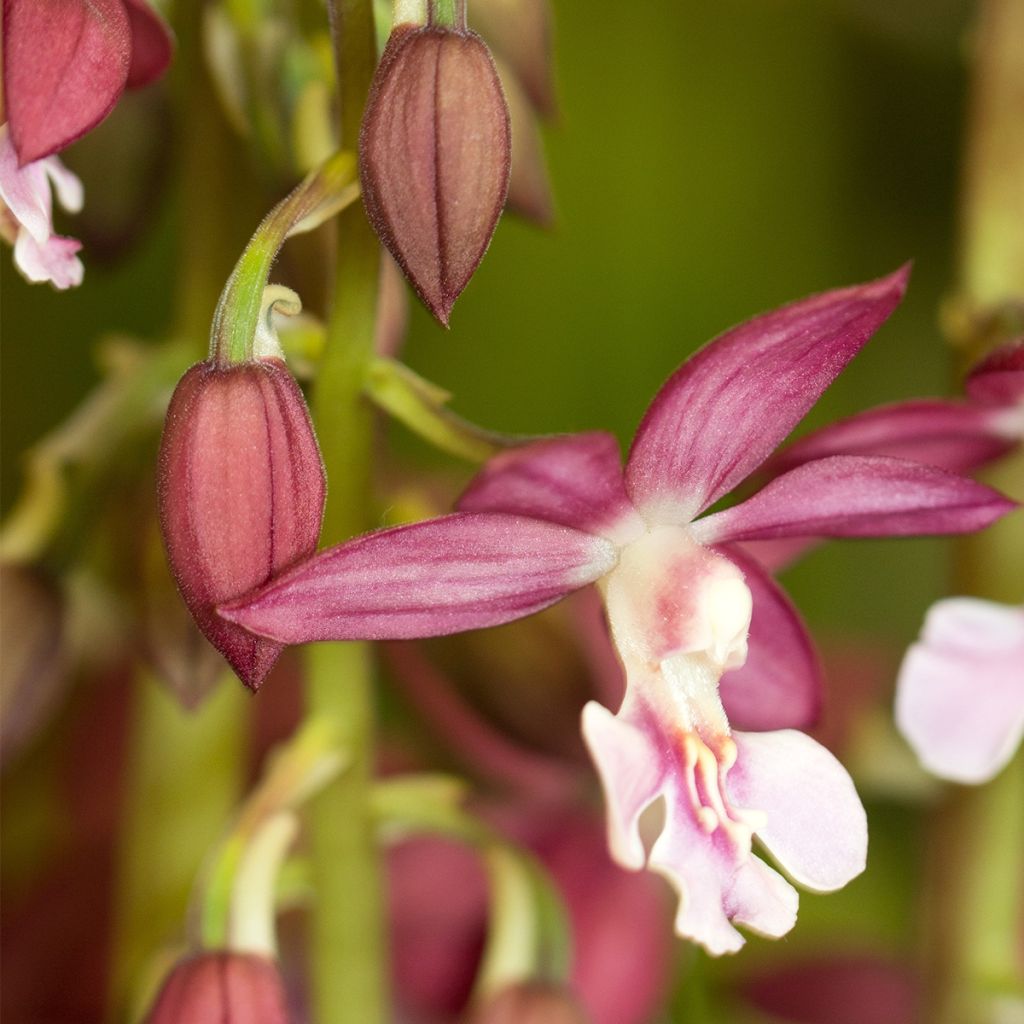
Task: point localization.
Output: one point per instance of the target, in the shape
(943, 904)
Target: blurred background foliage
(709, 161)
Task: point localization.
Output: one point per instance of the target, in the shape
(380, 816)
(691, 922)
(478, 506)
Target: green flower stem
(975, 882)
(182, 784)
(347, 941)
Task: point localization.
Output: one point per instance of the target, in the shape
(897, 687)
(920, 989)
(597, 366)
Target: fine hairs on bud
(241, 494)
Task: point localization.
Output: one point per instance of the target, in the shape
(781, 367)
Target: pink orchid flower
(66, 63)
(26, 216)
(960, 691)
(957, 434)
(684, 602)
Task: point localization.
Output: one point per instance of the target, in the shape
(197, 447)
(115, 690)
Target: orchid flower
(960, 690)
(684, 603)
(26, 216)
(957, 434)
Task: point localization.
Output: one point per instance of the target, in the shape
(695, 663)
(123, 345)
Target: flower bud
(532, 1002)
(241, 491)
(434, 158)
(217, 988)
(34, 668)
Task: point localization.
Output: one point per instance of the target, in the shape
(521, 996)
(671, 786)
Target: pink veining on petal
(960, 691)
(858, 496)
(957, 436)
(574, 480)
(458, 572)
(704, 845)
(815, 824)
(65, 65)
(999, 378)
(723, 412)
(780, 684)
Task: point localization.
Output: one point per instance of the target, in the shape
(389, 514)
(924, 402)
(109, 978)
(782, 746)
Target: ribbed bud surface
(434, 155)
(221, 988)
(241, 491)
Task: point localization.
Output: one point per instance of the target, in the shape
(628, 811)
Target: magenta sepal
(463, 571)
(780, 685)
(241, 494)
(858, 496)
(575, 480)
(999, 378)
(954, 435)
(724, 411)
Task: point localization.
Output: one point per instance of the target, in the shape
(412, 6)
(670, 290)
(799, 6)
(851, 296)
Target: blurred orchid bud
(34, 667)
(241, 493)
(215, 987)
(531, 1002)
(434, 155)
(520, 32)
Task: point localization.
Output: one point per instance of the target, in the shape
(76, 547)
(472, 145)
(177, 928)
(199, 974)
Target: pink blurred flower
(846, 989)
(548, 518)
(960, 692)
(26, 216)
(438, 897)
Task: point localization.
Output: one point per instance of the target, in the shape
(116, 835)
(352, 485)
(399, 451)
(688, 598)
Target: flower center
(706, 749)
(704, 781)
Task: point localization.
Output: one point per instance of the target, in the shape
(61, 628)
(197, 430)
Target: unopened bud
(532, 1002)
(241, 490)
(221, 987)
(34, 666)
(434, 156)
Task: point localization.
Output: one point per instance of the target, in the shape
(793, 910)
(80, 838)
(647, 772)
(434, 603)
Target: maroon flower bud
(241, 492)
(221, 988)
(531, 1002)
(66, 63)
(434, 155)
(34, 667)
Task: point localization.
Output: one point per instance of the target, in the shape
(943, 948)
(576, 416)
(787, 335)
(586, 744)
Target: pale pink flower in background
(685, 602)
(960, 692)
(26, 216)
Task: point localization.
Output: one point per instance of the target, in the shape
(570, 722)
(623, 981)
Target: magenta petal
(999, 378)
(954, 435)
(780, 685)
(441, 576)
(960, 693)
(816, 828)
(65, 65)
(858, 496)
(723, 412)
(152, 44)
(574, 480)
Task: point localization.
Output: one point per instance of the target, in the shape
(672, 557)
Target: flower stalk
(347, 942)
